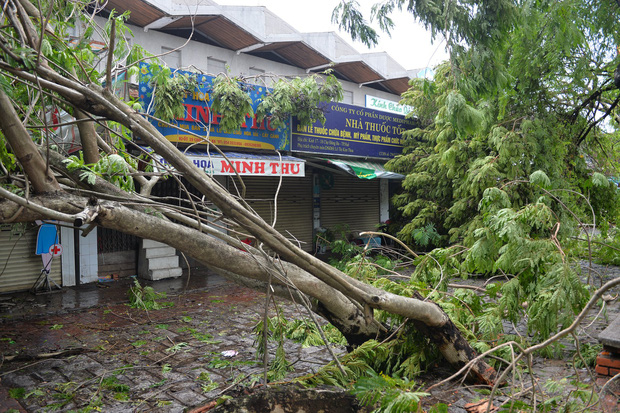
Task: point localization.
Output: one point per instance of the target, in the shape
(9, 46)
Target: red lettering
(202, 112)
(244, 124)
(246, 167)
(257, 125)
(216, 118)
(295, 169)
(227, 167)
(259, 167)
(285, 168)
(274, 167)
(188, 113)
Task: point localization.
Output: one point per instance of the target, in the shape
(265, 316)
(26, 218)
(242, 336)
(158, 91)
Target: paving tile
(181, 386)
(13, 380)
(187, 397)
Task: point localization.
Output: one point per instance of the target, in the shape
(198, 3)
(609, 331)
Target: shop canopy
(364, 170)
(246, 164)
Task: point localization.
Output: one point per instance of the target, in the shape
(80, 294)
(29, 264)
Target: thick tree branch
(88, 137)
(25, 150)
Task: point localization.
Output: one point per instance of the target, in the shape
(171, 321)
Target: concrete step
(164, 273)
(149, 243)
(163, 262)
(158, 252)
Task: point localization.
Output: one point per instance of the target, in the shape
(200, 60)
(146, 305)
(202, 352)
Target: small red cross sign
(56, 250)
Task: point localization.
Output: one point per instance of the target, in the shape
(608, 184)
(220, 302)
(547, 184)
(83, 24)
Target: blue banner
(252, 134)
(353, 131)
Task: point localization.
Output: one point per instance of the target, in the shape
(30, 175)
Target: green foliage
(113, 168)
(207, 384)
(169, 92)
(275, 326)
(303, 97)
(587, 355)
(509, 156)
(426, 235)
(543, 287)
(111, 383)
(407, 356)
(146, 297)
(231, 101)
(177, 347)
(306, 332)
(606, 251)
(581, 397)
(348, 18)
(391, 394)
(598, 179)
(540, 178)
(17, 392)
(7, 158)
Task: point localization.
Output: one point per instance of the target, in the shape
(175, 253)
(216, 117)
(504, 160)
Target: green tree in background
(528, 87)
(519, 131)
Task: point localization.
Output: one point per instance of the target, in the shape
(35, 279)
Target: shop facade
(303, 179)
(307, 190)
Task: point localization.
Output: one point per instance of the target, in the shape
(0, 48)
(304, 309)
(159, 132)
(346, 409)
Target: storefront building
(304, 179)
(300, 178)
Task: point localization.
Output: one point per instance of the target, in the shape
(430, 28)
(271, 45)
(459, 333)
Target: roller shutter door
(19, 266)
(351, 201)
(294, 206)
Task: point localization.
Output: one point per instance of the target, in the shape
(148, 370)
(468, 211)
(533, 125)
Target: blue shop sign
(193, 127)
(353, 131)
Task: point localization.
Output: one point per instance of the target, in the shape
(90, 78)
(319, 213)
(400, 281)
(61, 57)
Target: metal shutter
(19, 266)
(351, 201)
(294, 206)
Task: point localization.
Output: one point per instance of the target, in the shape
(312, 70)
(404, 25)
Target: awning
(364, 170)
(245, 164)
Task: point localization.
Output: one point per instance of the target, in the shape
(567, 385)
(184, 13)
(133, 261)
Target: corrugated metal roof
(223, 26)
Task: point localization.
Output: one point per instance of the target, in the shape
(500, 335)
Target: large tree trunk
(24, 148)
(256, 270)
(88, 137)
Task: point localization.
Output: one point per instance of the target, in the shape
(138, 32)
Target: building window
(347, 97)
(215, 66)
(171, 57)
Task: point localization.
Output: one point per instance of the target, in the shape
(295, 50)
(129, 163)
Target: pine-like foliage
(392, 394)
(524, 119)
(510, 158)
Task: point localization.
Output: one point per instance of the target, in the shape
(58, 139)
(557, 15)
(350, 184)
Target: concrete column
(384, 200)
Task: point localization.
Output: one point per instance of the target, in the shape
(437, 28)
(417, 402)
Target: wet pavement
(131, 360)
(127, 360)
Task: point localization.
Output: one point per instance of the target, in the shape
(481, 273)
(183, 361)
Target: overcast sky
(410, 45)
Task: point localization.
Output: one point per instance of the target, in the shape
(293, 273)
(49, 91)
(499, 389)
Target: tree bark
(24, 148)
(88, 137)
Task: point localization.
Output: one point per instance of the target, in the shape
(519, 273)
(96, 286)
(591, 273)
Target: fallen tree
(40, 186)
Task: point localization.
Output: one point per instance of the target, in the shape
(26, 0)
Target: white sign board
(373, 102)
(255, 166)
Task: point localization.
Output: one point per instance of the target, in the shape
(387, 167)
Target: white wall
(89, 265)
(197, 54)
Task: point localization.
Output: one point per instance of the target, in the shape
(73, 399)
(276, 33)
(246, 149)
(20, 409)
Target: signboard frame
(352, 131)
(200, 120)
